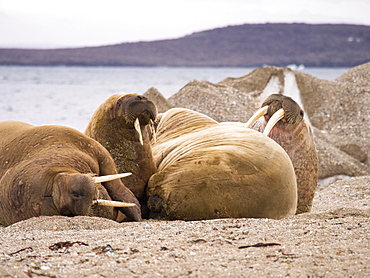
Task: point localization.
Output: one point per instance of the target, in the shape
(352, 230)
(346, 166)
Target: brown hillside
(249, 45)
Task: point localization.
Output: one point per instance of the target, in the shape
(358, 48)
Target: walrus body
(113, 125)
(294, 134)
(48, 170)
(208, 170)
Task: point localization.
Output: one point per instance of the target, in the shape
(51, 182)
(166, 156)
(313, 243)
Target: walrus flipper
(122, 194)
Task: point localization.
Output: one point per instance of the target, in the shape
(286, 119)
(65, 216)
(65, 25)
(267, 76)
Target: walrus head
(283, 121)
(74, 193)
(134, 111)
(280, 111)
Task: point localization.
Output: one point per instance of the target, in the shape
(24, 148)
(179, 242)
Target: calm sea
(69, 95)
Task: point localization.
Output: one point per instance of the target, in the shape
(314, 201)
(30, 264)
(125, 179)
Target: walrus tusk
(110, 177)
(273, 120)
(152, 129)
(138, 129)
(108, 203)
(259, 113)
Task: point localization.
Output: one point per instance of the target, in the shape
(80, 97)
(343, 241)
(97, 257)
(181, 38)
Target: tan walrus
(294, 134)
(122, 125)
(51, 170)
(209, 170)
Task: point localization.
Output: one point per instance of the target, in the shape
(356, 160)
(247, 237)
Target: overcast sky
(71, 23)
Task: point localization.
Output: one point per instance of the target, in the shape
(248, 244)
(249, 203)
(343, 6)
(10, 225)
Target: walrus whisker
(259, 113)
(108, 203)
(110, 177)
(273, 120)
(152, 129)
(138, 129)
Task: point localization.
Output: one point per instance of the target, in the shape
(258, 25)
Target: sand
(331, 241)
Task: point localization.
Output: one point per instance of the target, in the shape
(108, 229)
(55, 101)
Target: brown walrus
(49, 170)
(209, 170)
(294, 134)
(121, 124)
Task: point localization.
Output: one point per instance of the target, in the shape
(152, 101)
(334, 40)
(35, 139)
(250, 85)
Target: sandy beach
(331, 241)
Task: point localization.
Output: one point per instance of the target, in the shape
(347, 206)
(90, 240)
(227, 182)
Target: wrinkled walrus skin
(112, 125)
(47, 170)
(294, 134)
(208, 170)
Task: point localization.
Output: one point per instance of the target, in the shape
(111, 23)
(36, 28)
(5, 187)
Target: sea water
(69, 95)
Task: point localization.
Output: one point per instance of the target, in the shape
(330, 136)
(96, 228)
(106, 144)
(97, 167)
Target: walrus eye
(118, 104)
(77, 195)
(301, 113)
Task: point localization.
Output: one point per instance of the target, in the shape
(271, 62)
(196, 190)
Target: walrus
(294, 134)
(124, 125)
(55, 170)
(210, 170)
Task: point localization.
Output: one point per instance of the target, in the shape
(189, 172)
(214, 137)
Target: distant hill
(248, 45)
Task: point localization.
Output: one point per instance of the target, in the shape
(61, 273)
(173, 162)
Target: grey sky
(45, 23)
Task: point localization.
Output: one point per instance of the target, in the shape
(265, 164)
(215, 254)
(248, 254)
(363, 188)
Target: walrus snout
(146, 117)
(293, 112)
(138, 111)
